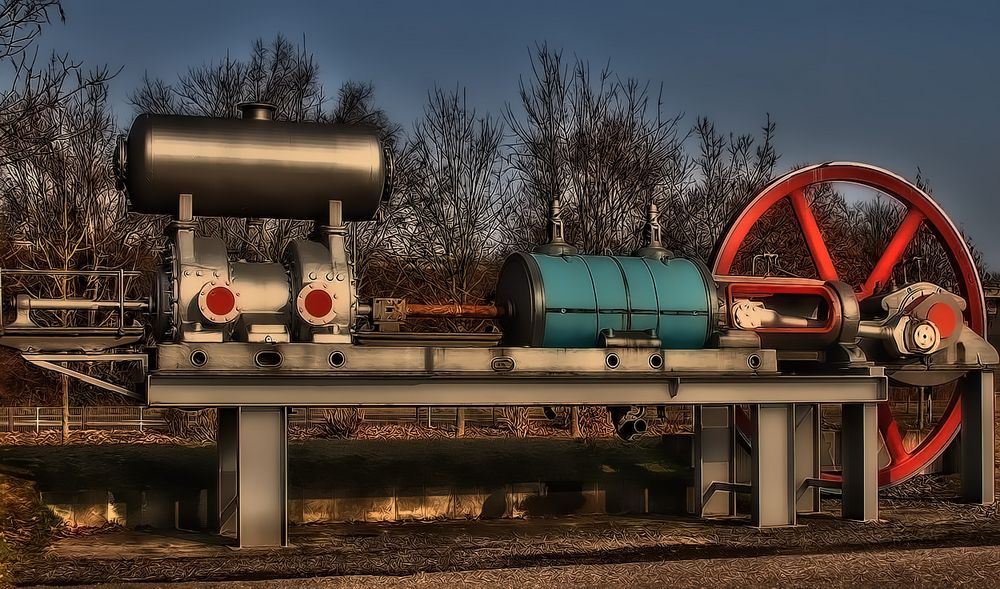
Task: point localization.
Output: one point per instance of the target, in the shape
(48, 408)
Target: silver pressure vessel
(252, 167)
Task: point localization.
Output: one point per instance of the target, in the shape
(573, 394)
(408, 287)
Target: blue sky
(896, 84)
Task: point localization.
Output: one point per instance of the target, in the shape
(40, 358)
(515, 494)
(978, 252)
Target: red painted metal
(763, 288)
(318, 303)
(889, 429)
(943, 316)
(220, 301)
(921, 209)
(813, 236)
(893, 253)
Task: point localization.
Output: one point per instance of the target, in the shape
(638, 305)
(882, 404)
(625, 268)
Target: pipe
(453, 311)
(628, 422)
(25, 302)
(631, 429)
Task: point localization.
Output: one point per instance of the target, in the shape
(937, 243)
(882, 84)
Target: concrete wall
(163, 510)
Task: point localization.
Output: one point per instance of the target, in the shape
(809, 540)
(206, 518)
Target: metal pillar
(859, 457)
(772, 465)
(977, 437)
(228, 443)
(253, 480)
(807, 458)
(714, 460)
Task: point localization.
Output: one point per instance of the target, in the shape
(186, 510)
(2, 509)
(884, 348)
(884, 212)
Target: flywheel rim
(921, 210)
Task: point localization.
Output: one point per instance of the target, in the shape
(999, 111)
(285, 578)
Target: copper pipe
(454, 311)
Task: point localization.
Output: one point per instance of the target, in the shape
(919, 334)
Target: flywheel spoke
(920, 210)
(813, 236)
(893, 252)
(889, 429)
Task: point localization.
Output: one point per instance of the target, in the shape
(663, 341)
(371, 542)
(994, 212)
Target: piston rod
(454, 311)
(25, 302)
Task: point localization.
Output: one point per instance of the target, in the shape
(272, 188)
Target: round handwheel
(920, 211)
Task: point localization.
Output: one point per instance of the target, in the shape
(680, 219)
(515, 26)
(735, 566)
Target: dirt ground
(923, 542)
(925, 538)
(973, 567)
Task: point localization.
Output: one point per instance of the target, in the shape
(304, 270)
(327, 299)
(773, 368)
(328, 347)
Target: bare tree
(58, 206)
(285, 74)
(36, 87)
(728, 172)
(452, 197)
(602, 146)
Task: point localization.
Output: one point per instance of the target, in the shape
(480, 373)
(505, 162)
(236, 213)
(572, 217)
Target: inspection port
(199, 358)
(267, 359)
(754, 361)
(612, 361)
(337, 359)
(655, 361)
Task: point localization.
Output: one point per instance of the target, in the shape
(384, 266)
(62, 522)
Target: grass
(26, 525)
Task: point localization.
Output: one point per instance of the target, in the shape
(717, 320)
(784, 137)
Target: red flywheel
(920, 211)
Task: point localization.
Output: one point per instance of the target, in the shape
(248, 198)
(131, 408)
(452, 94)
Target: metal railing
(135, 418)
(37, 419)
(119, 304)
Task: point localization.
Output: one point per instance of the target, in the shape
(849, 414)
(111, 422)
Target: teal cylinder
(566, 301)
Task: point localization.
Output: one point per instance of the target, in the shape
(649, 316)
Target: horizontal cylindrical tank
(252, 167)
(566, 301)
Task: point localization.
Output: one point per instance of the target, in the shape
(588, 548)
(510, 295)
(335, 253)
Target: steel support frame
(252, 430)
(807, 469)
(859, 461)
(785, 462)
(978, 399)
(714, 460)
(307, 390)
(772, 465)
(253, 475)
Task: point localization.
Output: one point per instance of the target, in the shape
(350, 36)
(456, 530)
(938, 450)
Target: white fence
(24, 419)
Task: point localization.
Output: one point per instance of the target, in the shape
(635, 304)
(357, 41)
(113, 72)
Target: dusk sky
(896, 84)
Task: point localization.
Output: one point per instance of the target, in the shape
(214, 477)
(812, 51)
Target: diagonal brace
(84, 377)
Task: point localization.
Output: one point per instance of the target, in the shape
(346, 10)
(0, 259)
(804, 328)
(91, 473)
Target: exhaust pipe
(631, 429)
(628, 422)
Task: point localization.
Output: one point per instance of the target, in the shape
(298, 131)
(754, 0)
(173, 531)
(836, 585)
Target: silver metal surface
(772, 465)
(324, 265)
(26, 335)
(807, 458)
(234, 358)
(453, 391)
(859, 456)
(49, 362)
(714, 463)
(253, 168)
(978, 398)
(262, 477)
(228, 446)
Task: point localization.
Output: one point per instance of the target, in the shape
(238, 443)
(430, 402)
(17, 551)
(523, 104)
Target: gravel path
(949, 567)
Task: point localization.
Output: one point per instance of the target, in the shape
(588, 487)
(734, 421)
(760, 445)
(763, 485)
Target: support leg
(772, 476)
(859, 457)
(253, 475)
(807, 458)
(977, 438)
(228, 444)
(714, 444)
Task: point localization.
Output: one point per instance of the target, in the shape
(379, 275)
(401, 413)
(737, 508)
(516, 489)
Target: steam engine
(620, 317)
